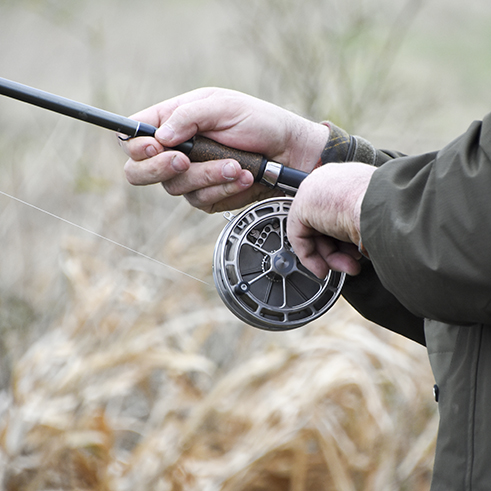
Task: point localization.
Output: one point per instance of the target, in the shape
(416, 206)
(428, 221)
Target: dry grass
(117, 397)
(117, 373)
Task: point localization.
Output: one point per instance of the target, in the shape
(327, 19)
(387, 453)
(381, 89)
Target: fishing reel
(259, 277)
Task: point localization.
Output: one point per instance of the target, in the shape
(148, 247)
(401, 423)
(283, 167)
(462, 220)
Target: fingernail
(179, 164)
(229, 171)
(150, 151)
(165, 133)
(246, 179)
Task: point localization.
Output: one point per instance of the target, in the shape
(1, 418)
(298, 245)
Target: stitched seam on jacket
(472, 411)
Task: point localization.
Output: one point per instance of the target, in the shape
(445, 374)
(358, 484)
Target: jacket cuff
(343, 147)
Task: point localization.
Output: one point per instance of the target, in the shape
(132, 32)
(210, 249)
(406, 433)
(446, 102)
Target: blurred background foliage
(117, 373)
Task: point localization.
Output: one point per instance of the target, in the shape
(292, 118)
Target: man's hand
(324, 220)
(228, 117)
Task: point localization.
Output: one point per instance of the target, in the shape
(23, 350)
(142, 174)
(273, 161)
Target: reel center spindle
(283, 262)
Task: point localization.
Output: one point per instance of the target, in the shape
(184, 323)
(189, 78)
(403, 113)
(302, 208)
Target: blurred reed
(134, 390)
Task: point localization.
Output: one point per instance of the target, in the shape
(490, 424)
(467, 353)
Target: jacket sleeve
(426, 224)
(373, 301)
(365, 291)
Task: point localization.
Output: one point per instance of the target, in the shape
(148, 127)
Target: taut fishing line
(103, 237)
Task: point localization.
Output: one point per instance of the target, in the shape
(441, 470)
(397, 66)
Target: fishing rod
(255, 270)
(198, 148)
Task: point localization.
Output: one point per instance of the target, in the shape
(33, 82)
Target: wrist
(361, 186)
(307, 140)
(318, 136)
(355, 235)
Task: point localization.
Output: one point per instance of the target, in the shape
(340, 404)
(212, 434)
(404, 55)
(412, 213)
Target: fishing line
(103, 237)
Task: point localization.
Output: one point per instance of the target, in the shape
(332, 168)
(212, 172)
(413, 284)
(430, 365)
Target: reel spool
(259, 277)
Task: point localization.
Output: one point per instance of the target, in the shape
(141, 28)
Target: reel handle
(271, 174)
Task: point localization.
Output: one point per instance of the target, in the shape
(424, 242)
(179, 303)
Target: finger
(350, 249)
(326, 255)
(202, 175)
(180, 118)
(320, 253)
(304, 242)
(160, 168)
(208, 111)
(343, 263)
(210, 114)
(186, 121)
(336, 255)
(228, 196)
(140, 148)
(315, 263)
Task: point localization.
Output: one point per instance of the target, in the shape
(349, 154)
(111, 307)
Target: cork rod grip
(205, 149)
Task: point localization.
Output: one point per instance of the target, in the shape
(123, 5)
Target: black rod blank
(198, 148)
(75, 110)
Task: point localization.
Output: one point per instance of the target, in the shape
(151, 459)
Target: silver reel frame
(259, 277)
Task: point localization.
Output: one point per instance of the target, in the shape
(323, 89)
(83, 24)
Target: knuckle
(172, 187)
(198, 200)
(154, 169)
(158, 168)
(182, 112)
(208, 176)
(192, 199)
(230, 188)
(195, 198)
(182, 120)
(129, 172)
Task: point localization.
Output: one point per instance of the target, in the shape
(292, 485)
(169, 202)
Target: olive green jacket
(426, 224)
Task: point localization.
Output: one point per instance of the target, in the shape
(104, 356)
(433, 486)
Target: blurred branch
(321, 58)
(376, 84)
